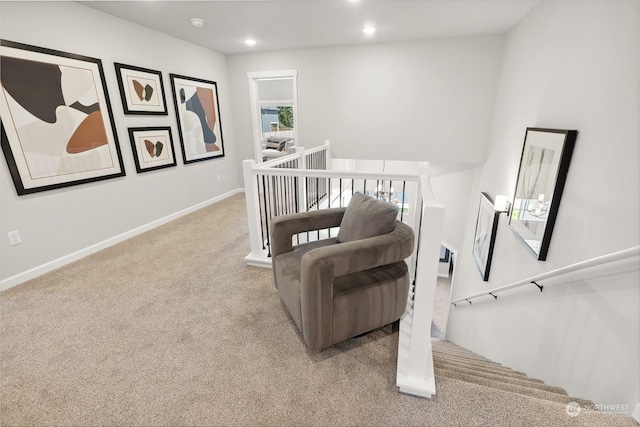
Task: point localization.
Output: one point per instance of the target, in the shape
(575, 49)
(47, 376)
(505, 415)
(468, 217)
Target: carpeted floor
(172, 328)
(441, 303)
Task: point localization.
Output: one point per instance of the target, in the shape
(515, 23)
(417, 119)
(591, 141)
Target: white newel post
(302, 182)
(327, 158)
(414, 212)
(253, 212)
(415, 373)
(327, 151)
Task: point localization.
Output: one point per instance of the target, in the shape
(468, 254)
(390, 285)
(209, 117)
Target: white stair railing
(419, 209)
(305, 181)
(264, 200)
(415, 374)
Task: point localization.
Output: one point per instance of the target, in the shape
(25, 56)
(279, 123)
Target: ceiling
(297, 24)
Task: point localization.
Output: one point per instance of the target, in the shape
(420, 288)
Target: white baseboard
(263, 262)
(66, 259)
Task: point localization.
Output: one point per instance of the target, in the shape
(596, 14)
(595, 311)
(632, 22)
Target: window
(277, 119)
(273, 103)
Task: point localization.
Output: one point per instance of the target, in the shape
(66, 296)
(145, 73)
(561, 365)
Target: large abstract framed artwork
(57, 124)
(541, 177)
(141, 90)
(198, 115)
(152, 148)
(485, 235)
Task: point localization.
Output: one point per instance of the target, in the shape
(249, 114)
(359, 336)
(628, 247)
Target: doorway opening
(274, 113)
(444, 286)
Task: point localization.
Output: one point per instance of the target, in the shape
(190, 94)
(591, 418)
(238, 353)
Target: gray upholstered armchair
(344, 286)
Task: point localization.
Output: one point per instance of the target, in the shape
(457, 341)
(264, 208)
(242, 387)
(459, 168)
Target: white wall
(54, 224)
(567, 65)
(423, 100)
(452, 189)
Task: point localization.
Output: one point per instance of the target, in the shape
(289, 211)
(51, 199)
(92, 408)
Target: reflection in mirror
(543, 168)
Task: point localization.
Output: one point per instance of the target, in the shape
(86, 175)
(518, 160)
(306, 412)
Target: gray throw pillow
(367, 217)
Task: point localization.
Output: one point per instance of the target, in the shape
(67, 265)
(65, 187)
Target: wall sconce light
(501, 204)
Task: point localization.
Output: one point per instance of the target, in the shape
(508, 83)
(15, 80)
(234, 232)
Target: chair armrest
(320, 267)
(284, 227)
(360, 255)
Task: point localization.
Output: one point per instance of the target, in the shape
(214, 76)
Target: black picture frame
(484, 237)
(152, 148)
(141, 90)
(57, 124)
(544, 164)
(198, 115)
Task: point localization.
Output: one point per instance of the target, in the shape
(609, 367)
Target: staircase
(456, 363)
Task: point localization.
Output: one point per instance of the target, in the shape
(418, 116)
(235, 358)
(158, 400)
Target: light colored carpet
(171, 328)
(441, 303)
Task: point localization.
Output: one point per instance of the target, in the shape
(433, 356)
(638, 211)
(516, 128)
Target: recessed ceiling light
(249, 42)
(197, 22)
(369, 29)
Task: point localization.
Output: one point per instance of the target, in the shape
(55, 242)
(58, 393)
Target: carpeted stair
(454, 362)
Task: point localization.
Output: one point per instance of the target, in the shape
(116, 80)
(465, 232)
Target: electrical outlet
(14, 238)
(218, 176)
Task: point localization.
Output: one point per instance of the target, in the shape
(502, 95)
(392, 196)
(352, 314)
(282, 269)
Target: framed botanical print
(141, 90)
(152, 148)
(57, 124)
(544, 164)
(485, 235)
(198, 115)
